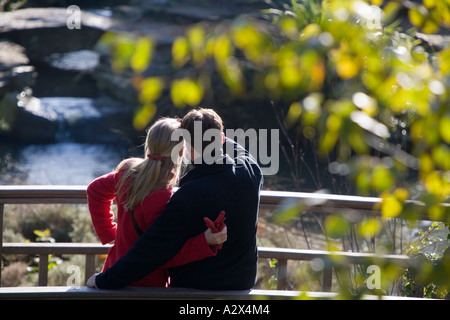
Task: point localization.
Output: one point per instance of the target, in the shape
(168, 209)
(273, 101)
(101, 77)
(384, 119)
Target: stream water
(67, 161)
(63, 163)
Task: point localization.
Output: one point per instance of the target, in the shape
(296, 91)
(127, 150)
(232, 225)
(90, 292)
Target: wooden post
(282, 274)
(327, 277)
(89, 268)
(43, 269)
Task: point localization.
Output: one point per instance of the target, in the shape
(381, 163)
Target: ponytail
(157, 170)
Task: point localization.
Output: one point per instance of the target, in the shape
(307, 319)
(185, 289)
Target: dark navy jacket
(233, 186)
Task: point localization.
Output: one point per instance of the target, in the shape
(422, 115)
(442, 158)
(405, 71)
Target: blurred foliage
(374, 96)
(10, 5)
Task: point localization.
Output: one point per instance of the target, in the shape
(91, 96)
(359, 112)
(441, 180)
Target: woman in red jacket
(142, 188)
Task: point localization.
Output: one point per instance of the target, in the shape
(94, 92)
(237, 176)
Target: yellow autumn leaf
(186, 92)
(142, 55)
(180, 51)
(196, 37)
(143, 116)
(151, 89)
(370, 227)
(391, 207)
(347, 68)
(295, 110)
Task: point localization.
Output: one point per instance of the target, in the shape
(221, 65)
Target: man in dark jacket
(231, 183)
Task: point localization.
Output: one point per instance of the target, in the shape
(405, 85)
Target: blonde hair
(157, 169)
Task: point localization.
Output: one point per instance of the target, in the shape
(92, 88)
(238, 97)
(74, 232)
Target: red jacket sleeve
(100, 194)
(196, 248)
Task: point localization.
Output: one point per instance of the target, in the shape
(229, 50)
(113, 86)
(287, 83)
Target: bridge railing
(269, 200)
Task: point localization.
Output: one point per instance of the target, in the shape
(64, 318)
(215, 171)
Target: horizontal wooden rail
(282, 255)
(77, 194)
(320, 202)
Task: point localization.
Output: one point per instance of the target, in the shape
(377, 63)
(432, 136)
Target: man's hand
(91, 281)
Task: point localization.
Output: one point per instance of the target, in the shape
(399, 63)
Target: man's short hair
(208, 118)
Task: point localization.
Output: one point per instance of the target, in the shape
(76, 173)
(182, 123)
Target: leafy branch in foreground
(373, 96)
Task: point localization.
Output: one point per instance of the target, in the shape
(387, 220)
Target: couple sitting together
(179, 239)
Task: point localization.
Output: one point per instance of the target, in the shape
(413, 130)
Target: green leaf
(444, 128)
(295, 110)
(336, 226)
(370, 227)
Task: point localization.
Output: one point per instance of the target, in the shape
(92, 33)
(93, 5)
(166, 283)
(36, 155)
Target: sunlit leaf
(334, 122)
(186, 92)
(106, 42)
(142, 55)
(382, 178)
(289, 26)
(311, 30)
(416, 17)
(123, 53)
(429, 3)
(441, 156)
(288, 211)
(196, 37)
(370, 228)
(401, 194)
(420, 17)
(295, 110)
(436, 212)
(364, 181)
(272, 81)
(426, 164)
(290, 76)
(336, 225)
(222, 50)
(356, 141)
(151, 89)
(347, 68)
(444, 60)
(390, 207)
(444, 128)
(180, 51)
(318, 74)
(328, 141)
(143, 116)
(435, 184)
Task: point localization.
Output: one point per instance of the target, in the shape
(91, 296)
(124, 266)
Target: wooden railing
(269, 200)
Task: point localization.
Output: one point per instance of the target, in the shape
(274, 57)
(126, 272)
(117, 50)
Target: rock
(15, 73)
(44, 31)
(12, 55)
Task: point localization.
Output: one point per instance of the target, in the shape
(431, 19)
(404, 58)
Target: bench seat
(145, 293)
